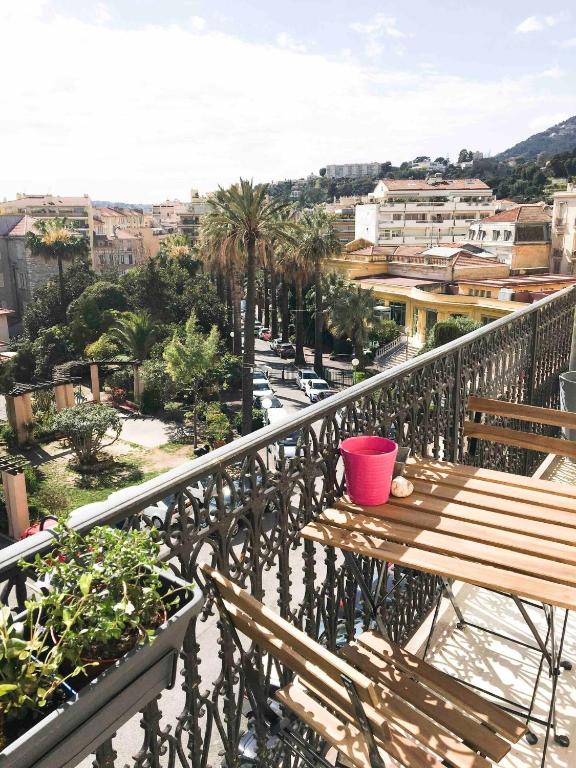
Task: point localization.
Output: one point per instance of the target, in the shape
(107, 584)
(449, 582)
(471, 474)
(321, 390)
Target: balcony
(421, 404)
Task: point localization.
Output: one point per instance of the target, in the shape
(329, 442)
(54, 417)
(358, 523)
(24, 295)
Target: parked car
(285, 351)
(327, 393)
(273, 402)
(313, 387)
(274, 343)
(261, 388)
(259, 375)
(285, 449)
(263, 332)
(303, 374)
(257, 327)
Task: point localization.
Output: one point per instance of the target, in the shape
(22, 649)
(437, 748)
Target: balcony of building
(201, 721)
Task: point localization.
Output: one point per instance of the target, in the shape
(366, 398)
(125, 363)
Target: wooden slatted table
(507, 533)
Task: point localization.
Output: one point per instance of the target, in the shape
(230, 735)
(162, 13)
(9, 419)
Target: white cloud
(197, 22)
(256, 110)
(375, 31)
(536, 24)
(284, 40)
(553, 72)
(102, 13)
(570, 43)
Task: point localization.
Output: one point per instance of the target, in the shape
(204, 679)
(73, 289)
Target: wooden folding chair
(483, 406)
(373, 701)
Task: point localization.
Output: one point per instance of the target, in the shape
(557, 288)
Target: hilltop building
(564, 231)
(520, 237)
(352, 170)
(423, 212)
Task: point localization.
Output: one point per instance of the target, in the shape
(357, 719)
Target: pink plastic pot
(368, 466)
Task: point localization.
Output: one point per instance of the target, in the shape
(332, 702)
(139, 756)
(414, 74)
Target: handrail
(148, 493)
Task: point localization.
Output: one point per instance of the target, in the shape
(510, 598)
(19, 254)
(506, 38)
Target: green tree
(93, 312)
(353, 315)
(191, 360)
(318, 241)
(134, 333)
(44, 311)
(176, 246)
(52, 347)
(85, 429)
(55, 239)
(449, 330)
(241, 220)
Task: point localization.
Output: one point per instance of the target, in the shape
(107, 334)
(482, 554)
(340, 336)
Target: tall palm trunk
(236, 312)
(266, 299)
(248, 357)
(318, 319)
(299, 359)
(273, 302)
(285, 311)
(61, 284)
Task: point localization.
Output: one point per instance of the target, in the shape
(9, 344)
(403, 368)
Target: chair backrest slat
(288, 636)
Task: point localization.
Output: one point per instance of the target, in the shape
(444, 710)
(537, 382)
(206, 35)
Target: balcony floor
(507, 669)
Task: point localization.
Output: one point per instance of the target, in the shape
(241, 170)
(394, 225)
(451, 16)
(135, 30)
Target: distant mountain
(558, 138)
(146, 207)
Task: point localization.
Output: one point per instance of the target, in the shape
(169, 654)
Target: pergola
(19, 401)
(95, 367)
(13, 480)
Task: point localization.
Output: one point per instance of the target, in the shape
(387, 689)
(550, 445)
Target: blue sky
(140, 100)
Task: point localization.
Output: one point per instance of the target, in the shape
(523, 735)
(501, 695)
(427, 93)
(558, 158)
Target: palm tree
(296, 269)
(134, 333)
(226, 264)
(352, 315)
(239, 223)
(176, 246)
(54, 239)
(318, 243)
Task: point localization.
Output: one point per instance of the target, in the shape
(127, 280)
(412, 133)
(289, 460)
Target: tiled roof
(16, 225)
(397, 185)
(525, 281)
(536, 213)
(30, 201)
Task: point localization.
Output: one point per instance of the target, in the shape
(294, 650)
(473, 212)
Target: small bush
(84, 427)
(174, 412)
(158, 386)
(217, 424)
(53, 495)
(123, 378)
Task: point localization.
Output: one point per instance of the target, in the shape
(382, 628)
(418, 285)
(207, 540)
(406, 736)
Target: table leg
(447, 589)
(356, 570)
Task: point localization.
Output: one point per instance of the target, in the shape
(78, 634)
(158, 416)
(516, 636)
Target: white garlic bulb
(401, 487)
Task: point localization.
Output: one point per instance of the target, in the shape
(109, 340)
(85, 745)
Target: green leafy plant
(105, 593)
(84, 429)
(217, 424)
(30, 665)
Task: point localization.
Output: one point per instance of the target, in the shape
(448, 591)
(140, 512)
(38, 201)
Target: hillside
(558, 138)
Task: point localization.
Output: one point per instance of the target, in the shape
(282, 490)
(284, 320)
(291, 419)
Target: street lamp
(266, 403)
(355, 362)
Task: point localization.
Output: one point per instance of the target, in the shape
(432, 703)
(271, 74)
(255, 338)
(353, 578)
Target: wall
(366, 222)
(531, 255)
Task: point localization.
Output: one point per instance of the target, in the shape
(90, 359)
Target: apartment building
(352, 170)
(125, 248)
(423, 212)
(107, 219)
(21, 272)
(520, 237)
(564, 231)
(76, 210)
(189, 220)
(343, 220)
(166, 214)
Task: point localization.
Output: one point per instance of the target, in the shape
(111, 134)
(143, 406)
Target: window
(507, 235)
(396, 217)
(398, 312)
(495, 234)
(471, 234)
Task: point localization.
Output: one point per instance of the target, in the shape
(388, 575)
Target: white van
(287, 447)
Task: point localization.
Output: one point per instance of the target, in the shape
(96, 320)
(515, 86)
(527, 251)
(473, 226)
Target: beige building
(76, 210)
(189, 220)
(564, 231)
(519, 237)
(423, 212)
(106, 220)
(166, 214)
(125, 249)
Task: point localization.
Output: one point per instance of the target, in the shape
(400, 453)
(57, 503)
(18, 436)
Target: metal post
(458, 386)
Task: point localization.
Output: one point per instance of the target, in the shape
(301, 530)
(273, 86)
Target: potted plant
(111, 624)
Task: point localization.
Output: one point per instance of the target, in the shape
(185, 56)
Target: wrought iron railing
(242, 505)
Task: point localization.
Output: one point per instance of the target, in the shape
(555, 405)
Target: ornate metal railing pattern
(250, 485)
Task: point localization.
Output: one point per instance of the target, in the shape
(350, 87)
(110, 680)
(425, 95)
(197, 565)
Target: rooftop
(406, 185)
(534, 213)
(525, 281)
(31, 201)
(16, 225)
